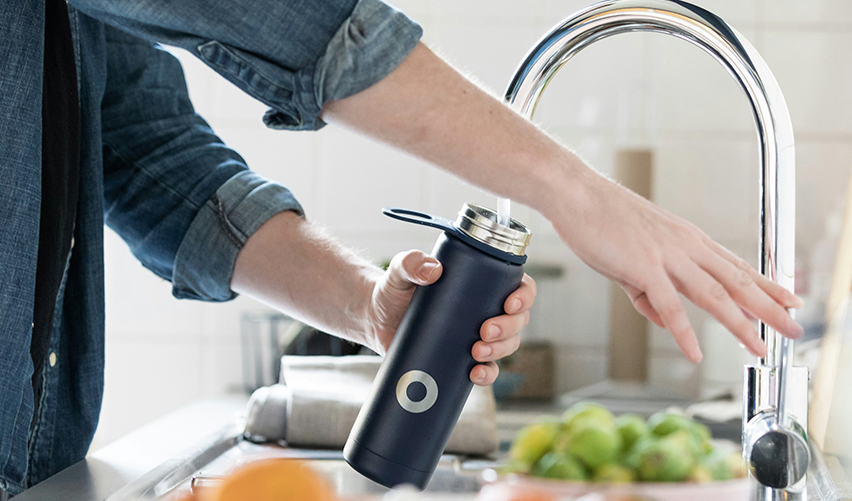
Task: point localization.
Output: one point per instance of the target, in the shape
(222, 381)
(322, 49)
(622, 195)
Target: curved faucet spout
(775, 132)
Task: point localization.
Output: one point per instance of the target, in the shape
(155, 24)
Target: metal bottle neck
(480, 223)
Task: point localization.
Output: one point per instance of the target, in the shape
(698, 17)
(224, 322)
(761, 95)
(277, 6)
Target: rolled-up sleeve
(183, 201)
(291, 55)
(204, 263)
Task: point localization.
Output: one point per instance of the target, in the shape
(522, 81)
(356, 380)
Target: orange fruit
(273, 480)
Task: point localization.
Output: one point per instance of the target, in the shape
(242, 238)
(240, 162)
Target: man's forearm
(428, 109)
(293, 266)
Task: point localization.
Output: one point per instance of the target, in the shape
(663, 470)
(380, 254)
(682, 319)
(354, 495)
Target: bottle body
(424, 382)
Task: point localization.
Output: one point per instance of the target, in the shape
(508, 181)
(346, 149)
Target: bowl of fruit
(587, 449)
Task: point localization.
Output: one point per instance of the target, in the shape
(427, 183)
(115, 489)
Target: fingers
(484, 374)
(522, 299)
(500, 334)
(707, 293)
(489, 352)
(642, 304)
(664, 299)
(411, 268)
(745, 291)
(504, 326)
(777, 292)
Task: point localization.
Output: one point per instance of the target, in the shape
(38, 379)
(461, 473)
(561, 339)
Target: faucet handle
(778, 456)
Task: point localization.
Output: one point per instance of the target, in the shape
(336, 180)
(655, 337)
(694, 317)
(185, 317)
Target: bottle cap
(480, 223)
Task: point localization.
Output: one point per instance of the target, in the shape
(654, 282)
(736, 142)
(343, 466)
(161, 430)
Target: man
(193, 214)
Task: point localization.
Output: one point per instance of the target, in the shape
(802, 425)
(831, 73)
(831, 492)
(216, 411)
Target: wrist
(566, 183)
(363, 329)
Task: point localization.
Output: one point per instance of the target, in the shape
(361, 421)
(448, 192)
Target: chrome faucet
(775, 444)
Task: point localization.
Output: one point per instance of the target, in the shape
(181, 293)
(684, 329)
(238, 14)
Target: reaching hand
(654, 255)
(393, 292)
(429, 110)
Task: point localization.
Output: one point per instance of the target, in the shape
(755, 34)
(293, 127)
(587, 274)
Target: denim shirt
(152, 170)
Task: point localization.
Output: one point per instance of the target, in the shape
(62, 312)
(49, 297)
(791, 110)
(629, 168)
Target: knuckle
(653, 258)
(410, 258)
(401, 263)
(717, 292)
(670, 311)
(638, 299)
(742, 265)
(478, 347)
(743, 278)
(396, 261)
(693, 233)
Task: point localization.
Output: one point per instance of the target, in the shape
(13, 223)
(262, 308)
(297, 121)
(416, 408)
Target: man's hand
(654, 255)
(393, 292)
(293, 266)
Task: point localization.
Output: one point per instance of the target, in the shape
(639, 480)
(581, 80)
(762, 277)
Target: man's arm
(428, 109)
(293, 266)
(192, 212)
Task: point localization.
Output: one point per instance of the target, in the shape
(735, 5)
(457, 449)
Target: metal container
(420, 390)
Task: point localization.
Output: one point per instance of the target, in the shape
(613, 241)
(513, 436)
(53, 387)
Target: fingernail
(426, 271)
(516, 305)
(493, 332)
(484, 351)
(480, 378)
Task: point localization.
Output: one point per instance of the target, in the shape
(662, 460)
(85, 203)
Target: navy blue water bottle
(424, 381)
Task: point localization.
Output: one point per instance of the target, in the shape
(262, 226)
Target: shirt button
(72, 242)
(52, 359)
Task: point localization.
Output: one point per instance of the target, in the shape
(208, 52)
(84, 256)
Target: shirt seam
(251, 89)
(259, 72)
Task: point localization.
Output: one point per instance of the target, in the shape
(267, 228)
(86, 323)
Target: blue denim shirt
(153, 170)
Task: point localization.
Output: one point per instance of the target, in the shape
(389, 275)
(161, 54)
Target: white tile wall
(711, 181)
(821, 181)
(815, 15)
(163, 353)
(694, 92)
(358, 177)
(813, 70)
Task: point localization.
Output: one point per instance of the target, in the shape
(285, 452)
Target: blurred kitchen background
(639, 90)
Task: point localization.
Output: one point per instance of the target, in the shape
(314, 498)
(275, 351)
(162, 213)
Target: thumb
(411, 268)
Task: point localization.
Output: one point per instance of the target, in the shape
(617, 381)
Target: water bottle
(424, 381)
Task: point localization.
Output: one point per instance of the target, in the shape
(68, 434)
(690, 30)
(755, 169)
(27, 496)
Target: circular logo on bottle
(423, 404)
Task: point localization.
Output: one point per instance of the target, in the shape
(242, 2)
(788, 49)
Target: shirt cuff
(204, 263)
(370, 44)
